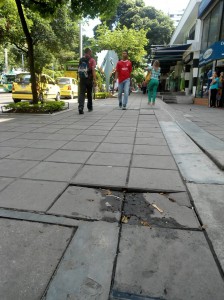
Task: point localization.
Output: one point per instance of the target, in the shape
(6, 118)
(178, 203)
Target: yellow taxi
(46, 88)
(68, 87)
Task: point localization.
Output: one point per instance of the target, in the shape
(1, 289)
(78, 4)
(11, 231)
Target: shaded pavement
(113, 204)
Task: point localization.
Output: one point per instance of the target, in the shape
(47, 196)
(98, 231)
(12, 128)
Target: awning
(169, 56)
(214, 52)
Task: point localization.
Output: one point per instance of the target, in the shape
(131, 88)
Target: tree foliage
(122, 38)
(134, 14)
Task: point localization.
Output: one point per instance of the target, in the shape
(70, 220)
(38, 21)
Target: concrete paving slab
(115, 148)
(89, 203)
(22, 129)
(4, 182)
(15, 168)
(89, 138)
(150, 141)
(103, 176)
(61, 137)
(119, 140)
(86, 269)
(151, 150)
(208, 200)
(38, 217)
(31, 154)
(5, 151)
(149, 129)
(217, 156)
(17, 142)
(69, 156)
(155, 180)
(121, 133)
(109, 159)
(154, 162)
(52, 171)
(30, 195)
(29, 255)
(85, 146)
(181, 198)
(35, 136)
(144, 134)
(198, 168)
(45, 144)
(69, 131)
(139, 210)
(95, 132)
(170, 264)
(124, 128)
(46, 129)
(146, 111)
(8, 135)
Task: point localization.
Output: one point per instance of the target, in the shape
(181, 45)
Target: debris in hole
(108, 204)
(145, 223)
(156, 207)
(125, 219)
(106, 192)
(171, 199)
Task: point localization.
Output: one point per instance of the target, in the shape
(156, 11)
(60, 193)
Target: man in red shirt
(123, 74)
(87, 78)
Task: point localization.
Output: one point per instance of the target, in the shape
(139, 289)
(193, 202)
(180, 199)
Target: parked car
(46, 88)
(68, 87)
(7, 81)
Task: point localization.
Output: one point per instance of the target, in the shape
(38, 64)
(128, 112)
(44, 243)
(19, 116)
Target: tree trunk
(30, 51)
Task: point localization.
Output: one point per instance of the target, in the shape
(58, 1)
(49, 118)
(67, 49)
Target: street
(113, 204)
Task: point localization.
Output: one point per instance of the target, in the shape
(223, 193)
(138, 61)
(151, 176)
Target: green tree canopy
(122, 38)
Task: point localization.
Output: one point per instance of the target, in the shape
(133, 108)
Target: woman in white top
(153, 82)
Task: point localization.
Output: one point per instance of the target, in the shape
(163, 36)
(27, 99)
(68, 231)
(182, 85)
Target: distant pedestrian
(87, 80)
(214, 86)
(221, 89)
(123, 74)
(153, 82)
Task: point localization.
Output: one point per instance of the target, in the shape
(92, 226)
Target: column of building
(195, 72)
(187, 78)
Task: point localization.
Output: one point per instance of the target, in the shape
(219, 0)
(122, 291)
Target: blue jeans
(123, 87)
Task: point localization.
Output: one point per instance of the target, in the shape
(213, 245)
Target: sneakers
(124, 107)
(81, 112)
(90, 109)
(120, 104)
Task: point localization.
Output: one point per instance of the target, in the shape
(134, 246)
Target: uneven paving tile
(31, 154)
(109, 159)
(139, 210)
(169, 264)
(89, 203)
(69, 156)
(151, 149)
(30, 195)
(86, 269)
(208, 200)
(115, 148)
(85, 146)
(124, 128)
(154, 162)
(144, 134)
(149, 129)
(29, 255)
(52, 171)
(155, 180)
(105, 176)
(15, 168)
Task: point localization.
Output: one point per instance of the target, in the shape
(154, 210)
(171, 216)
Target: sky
(167, 6)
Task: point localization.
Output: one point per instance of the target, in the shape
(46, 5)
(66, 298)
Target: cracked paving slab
(153, 209)
(89, 203)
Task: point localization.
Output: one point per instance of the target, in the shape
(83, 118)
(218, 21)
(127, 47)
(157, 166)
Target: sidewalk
(113, 204)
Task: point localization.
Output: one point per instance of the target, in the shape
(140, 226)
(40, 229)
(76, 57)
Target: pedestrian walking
(153, 82)
(221, 89)
(214, 86)
(87, 80)
(123, 74)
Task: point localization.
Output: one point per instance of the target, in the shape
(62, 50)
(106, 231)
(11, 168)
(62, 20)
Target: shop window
(204, 41)
(215, 23)
(222, 29)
